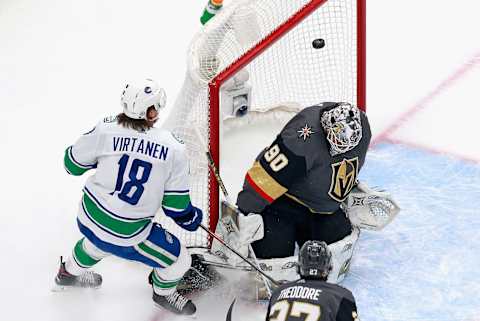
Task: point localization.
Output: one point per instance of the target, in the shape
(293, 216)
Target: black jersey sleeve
(347, 310)
(273, 172)
(281, 163)
(294, 152)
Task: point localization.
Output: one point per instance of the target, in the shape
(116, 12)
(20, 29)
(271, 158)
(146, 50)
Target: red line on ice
(422, 103)
(432, 150)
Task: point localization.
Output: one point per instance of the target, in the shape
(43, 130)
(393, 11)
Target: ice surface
(424, 266)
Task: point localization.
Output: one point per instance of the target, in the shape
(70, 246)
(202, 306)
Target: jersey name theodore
(311, 300)
(300, 292)
(141, 146)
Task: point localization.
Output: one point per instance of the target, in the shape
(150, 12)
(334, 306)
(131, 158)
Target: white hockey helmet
(343, 127)
(138, 96)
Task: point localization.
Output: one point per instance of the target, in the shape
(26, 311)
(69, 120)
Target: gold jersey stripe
(265, 182)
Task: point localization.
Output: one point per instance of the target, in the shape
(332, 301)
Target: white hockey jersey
(137, 173)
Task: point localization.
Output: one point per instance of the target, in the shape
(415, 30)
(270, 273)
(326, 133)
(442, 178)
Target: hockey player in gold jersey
(311, 297)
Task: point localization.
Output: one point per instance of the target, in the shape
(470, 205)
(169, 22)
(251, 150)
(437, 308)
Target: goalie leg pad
(280, 269)
(342, 252)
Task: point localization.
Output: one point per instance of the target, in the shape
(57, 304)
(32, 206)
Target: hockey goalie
(304, 186)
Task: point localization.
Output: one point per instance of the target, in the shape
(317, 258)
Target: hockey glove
(238, 236)
(250, 227)
(190, 221)
(369, 208)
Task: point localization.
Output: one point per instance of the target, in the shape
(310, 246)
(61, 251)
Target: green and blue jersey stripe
(109, 222)
(74, 167)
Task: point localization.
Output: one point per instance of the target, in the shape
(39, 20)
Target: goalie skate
(200, 277)
(65, 280)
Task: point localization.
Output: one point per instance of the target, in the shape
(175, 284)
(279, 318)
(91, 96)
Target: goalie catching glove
(370, 209)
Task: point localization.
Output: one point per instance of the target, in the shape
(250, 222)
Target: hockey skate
(175, 303)
(200, 277)
(65, 280)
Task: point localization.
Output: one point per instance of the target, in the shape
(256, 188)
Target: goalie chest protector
(299, 162)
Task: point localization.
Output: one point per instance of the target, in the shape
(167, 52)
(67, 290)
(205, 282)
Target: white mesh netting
(289, 73)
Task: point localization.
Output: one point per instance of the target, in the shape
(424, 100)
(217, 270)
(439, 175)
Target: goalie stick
(229, 203)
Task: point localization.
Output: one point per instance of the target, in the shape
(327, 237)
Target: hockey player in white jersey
(139, 170)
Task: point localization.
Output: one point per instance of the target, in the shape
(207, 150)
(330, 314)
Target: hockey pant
(161, 250)
(287, 223)
(342, 251)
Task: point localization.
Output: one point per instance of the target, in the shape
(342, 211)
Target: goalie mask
(138, 96)
(314, 260)
(343, 127)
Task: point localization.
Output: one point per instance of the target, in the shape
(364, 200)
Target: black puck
(318, 43)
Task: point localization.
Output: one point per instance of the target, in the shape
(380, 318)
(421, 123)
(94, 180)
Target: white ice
(62, 67)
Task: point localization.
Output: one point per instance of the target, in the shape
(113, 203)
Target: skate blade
(60, 288)
(67, 288)
(164, 312)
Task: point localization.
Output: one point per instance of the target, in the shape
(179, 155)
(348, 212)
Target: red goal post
(222, 77)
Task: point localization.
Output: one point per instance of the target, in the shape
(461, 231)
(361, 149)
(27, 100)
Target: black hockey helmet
(314, 260)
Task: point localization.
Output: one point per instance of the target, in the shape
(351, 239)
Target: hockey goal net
(257, 57)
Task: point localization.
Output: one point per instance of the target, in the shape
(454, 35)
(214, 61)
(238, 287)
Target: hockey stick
(214, 168)
(229, 203)
(218, 238)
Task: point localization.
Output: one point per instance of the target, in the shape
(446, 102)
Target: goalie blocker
(238, 231)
